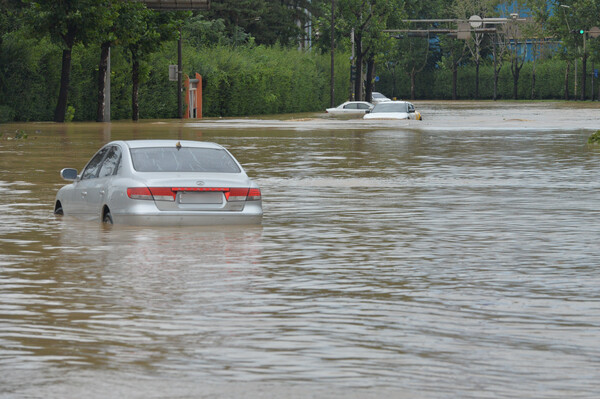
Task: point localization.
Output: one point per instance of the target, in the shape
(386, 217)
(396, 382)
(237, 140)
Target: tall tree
(107, 37)
(10, 20)
(10, 16)
(142, 31)
(414, 57)
(500, 44)
(68, 22)
(587, 15)
(453, 53)
(417, 51)
(537, 32)
(464, 9)
(268, 22)
(366, 20)
(566, 20)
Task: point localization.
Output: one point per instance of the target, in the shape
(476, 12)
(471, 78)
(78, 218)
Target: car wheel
(107, 217)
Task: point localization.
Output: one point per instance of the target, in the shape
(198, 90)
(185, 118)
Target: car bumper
(252, 214)
(188, 220)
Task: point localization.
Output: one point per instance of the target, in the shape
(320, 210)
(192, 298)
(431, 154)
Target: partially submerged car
(394, 110)
(161, 182)
(350, 108)
(377, 98)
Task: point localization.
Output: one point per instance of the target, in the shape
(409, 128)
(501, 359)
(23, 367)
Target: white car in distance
(394, 110)
(350, 108)
(377, 98)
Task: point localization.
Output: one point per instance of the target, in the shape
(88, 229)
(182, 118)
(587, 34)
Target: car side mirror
(69, 174)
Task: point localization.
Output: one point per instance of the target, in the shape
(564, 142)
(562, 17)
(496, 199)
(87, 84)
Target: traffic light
(353, 72)
(581, 31)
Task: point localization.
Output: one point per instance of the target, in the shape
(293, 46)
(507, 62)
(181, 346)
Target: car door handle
(83, 193)
(102, 193)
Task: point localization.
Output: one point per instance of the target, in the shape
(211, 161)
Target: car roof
(170, 143)
(395, 102)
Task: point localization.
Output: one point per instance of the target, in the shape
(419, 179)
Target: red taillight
(236, 194)
(163, 193)
(170, 193)
(155, 193)
(254, 194)
(142, 193)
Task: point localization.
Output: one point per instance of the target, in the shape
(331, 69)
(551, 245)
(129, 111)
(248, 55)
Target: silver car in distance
(161, 182)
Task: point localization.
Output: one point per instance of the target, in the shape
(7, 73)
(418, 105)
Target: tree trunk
(533, 81)
(495, 95)
(65, 76)
(567, 81)
(477, 80)
(413, 75)
(516, 72)
(394, 95)
(496, 77)
(135, 80)
(575, 82)
(359, 61)
(454, 81)
(102, 69)
(583, 75)
(370, 78)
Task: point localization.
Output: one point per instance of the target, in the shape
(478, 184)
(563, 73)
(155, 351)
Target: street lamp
(565, 15)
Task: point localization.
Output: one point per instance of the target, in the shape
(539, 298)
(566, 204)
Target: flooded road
(451, 258)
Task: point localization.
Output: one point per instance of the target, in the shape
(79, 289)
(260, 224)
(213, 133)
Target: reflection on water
(414, 262)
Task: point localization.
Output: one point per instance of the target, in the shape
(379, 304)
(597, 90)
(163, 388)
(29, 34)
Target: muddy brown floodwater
(456, 257)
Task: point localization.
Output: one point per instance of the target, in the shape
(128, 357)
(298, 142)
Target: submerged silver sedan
(161, 182)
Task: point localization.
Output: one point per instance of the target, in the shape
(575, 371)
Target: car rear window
(190, 159)
(390, 107)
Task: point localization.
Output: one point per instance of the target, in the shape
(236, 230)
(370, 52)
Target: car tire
(107, 218)
(58, 209)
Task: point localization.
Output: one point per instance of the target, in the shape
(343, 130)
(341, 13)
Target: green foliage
(265, 80)
(70, 113)
(19, 135)
(200, 32)
(7, 114)
(437, 83)
(69, 22)
(594, 138)
(266, 22)
(30, 71)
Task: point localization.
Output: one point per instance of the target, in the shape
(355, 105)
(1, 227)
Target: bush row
(437, 84)
(238, 81)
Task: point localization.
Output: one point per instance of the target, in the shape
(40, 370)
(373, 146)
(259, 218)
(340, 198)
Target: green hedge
(29, 78)
(265, 80)
(437, 84)
(239, 81)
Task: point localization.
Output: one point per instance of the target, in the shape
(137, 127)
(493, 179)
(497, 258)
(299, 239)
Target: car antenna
(178, 145)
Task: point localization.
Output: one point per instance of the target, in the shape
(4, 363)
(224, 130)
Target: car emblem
(200, 183)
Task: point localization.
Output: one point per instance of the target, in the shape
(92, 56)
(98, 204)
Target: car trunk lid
(204, 194)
